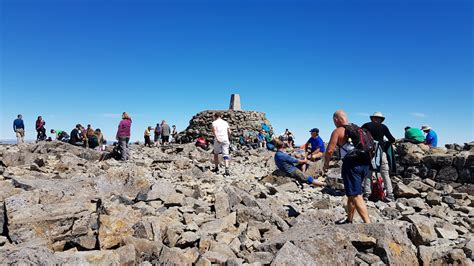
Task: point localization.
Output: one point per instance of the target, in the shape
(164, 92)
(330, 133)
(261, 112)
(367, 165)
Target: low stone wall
(239, 121)
(454, 163)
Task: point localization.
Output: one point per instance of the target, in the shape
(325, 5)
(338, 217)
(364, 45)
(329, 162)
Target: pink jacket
(124, 128)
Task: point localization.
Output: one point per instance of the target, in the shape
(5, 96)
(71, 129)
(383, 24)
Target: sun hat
(425, 127)
(379, 115)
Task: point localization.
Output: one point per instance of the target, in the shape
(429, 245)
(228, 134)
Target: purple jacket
(124, 128)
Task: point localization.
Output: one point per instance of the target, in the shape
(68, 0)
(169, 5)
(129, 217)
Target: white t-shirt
(221, 128)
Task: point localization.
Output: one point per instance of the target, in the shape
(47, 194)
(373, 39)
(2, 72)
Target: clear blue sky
(298, 61)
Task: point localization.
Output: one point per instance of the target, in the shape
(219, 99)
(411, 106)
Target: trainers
(389, 198)
(227, 172)
(343, 221)
(215, 170)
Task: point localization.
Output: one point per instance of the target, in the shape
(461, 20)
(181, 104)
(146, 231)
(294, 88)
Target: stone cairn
(240, 122)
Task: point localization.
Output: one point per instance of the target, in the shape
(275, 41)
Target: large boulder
(447, 173)
(60, 224)
(438, 161)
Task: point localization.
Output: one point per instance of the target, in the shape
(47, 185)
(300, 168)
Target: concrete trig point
(235, 102)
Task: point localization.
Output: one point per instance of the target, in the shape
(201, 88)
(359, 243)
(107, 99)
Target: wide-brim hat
(379, 115)
(425, 127)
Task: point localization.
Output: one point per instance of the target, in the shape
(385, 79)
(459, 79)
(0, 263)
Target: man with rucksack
(379, 131)
(355, 146)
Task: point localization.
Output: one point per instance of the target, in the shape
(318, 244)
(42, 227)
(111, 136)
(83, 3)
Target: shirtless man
(353, 171)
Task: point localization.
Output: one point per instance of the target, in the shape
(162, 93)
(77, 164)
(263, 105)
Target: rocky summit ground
(60, 205)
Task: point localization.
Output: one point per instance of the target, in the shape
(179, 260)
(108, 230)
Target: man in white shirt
(222, 132)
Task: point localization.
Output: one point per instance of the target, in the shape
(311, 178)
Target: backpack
(361, 139)
(377, 189)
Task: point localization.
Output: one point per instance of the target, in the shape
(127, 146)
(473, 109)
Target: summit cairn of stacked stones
(239, 120)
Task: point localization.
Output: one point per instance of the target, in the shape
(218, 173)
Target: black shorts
(165, 138)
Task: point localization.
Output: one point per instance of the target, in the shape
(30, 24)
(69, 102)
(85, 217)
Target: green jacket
(415, 133)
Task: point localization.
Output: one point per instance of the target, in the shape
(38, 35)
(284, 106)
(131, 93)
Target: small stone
(433, 198)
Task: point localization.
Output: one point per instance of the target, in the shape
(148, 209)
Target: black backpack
(363, 142)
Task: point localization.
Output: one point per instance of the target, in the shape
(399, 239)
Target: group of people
(162, 133)
(359, 167)
(349, 140)
(80, 136)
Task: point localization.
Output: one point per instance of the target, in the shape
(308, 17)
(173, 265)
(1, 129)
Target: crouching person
(286, 163)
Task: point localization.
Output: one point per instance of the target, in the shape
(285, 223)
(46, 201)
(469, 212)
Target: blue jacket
(432, 138)
(17, 124)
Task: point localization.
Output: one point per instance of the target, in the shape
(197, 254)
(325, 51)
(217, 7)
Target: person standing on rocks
(431, 136)
(174, 133)
(157, 134)
(222, 133)
(378, 131)
(353, 169)
(286, 163)
(40, 129)
(123, 135)
(147, 135)
(19, 129)
(165, 133)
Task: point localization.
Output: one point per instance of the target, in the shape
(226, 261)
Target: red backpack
(377, 188)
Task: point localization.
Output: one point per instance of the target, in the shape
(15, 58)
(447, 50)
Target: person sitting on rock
(59, 135)
(314, 147)
(76, 137)
(290, 138)
(431, 137)
(147, 135)
(413, 135)
(97, 140)
(286, 163)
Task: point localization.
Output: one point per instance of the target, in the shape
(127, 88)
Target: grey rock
(447, 173)
(290, 254)
(221, 204)
(264, 258)
(403, 191)
(422, 230)
(176, 256)
(438, 160)
(447, 231)
(433, 198)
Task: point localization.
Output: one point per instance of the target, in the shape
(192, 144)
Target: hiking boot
(366, 198)
(389, 198)
(343, 221)
(215, 170)
(227, 172)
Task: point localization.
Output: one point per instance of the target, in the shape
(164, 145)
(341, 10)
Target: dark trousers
(147, 141)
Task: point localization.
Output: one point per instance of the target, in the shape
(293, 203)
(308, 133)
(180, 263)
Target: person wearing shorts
(353, 170)
(221, 132)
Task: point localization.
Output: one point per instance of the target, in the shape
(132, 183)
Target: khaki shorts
(21, 132)
(221, 147)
